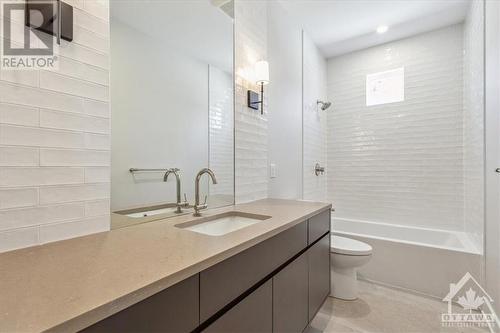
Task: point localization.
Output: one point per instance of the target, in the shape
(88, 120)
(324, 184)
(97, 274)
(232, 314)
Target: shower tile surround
(55, 139)
(403, 163)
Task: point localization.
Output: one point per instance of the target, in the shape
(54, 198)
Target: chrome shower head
(324, 105)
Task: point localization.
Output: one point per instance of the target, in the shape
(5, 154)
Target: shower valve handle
(318, 169)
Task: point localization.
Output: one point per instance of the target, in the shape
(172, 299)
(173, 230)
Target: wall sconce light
(262, 78)
(54, 18)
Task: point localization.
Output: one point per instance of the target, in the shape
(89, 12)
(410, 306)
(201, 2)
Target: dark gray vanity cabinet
(175, 309)
(254, 314)
(222, 283)
(290, 297)
(319, 274)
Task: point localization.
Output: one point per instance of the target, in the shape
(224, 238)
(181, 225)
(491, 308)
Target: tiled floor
(381, 309)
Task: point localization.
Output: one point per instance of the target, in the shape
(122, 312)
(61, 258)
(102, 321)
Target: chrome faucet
(197, 207)
(180, 204)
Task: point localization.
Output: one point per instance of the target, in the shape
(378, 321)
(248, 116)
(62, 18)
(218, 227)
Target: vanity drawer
(225, 281)
(318, 225)
(253, 314)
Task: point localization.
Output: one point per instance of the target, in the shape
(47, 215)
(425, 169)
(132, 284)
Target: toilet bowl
(346, 256)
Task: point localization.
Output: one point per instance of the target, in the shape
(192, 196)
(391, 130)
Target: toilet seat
(348, 246)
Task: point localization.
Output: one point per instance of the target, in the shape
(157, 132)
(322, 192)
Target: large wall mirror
(172, 106)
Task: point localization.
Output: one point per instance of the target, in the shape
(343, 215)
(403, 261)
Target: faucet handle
(185, 203)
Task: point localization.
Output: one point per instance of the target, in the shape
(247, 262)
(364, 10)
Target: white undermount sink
(222, 224)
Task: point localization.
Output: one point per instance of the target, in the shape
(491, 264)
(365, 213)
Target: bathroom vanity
(279, 283)
(270, 275)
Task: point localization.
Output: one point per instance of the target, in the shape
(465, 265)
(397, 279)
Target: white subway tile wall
(18, 197)
(251, 128)
(221, 133)
(474, 122)
(55, 139)
(314, 121)
(400, 163)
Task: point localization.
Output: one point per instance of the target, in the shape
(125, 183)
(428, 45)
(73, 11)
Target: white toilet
(346, 256)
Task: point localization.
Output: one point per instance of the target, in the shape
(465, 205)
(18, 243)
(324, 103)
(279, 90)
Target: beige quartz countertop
(71, 284)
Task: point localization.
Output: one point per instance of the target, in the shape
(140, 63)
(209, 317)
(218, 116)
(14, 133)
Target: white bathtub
(419, 259)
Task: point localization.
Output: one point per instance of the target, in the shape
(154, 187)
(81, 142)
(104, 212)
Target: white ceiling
(342, 26)
(197, 28)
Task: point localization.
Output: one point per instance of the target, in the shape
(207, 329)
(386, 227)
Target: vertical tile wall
(221, 134)
(402, 162)
(55, 139)
(251, 128)
(474, 122)
(314, 120)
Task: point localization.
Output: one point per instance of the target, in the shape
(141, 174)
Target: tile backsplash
(55, 139)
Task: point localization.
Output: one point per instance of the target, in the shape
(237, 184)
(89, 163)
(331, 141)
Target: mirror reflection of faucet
(180, 204)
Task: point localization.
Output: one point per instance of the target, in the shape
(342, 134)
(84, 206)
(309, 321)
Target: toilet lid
(342, 245)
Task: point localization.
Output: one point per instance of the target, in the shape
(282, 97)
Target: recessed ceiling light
(382, 28)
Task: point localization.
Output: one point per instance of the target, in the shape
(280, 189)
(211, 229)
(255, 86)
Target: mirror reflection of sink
(222, 224)
(152, 212)
(149, 211)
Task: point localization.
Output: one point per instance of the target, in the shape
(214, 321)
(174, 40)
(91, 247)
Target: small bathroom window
(385, 87)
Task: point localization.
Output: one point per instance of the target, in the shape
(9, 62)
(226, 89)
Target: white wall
(251, 128)
(473, 99)
(160, 118)
(285, 103)
(315, 121)
(54, 139)
(399, 163)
